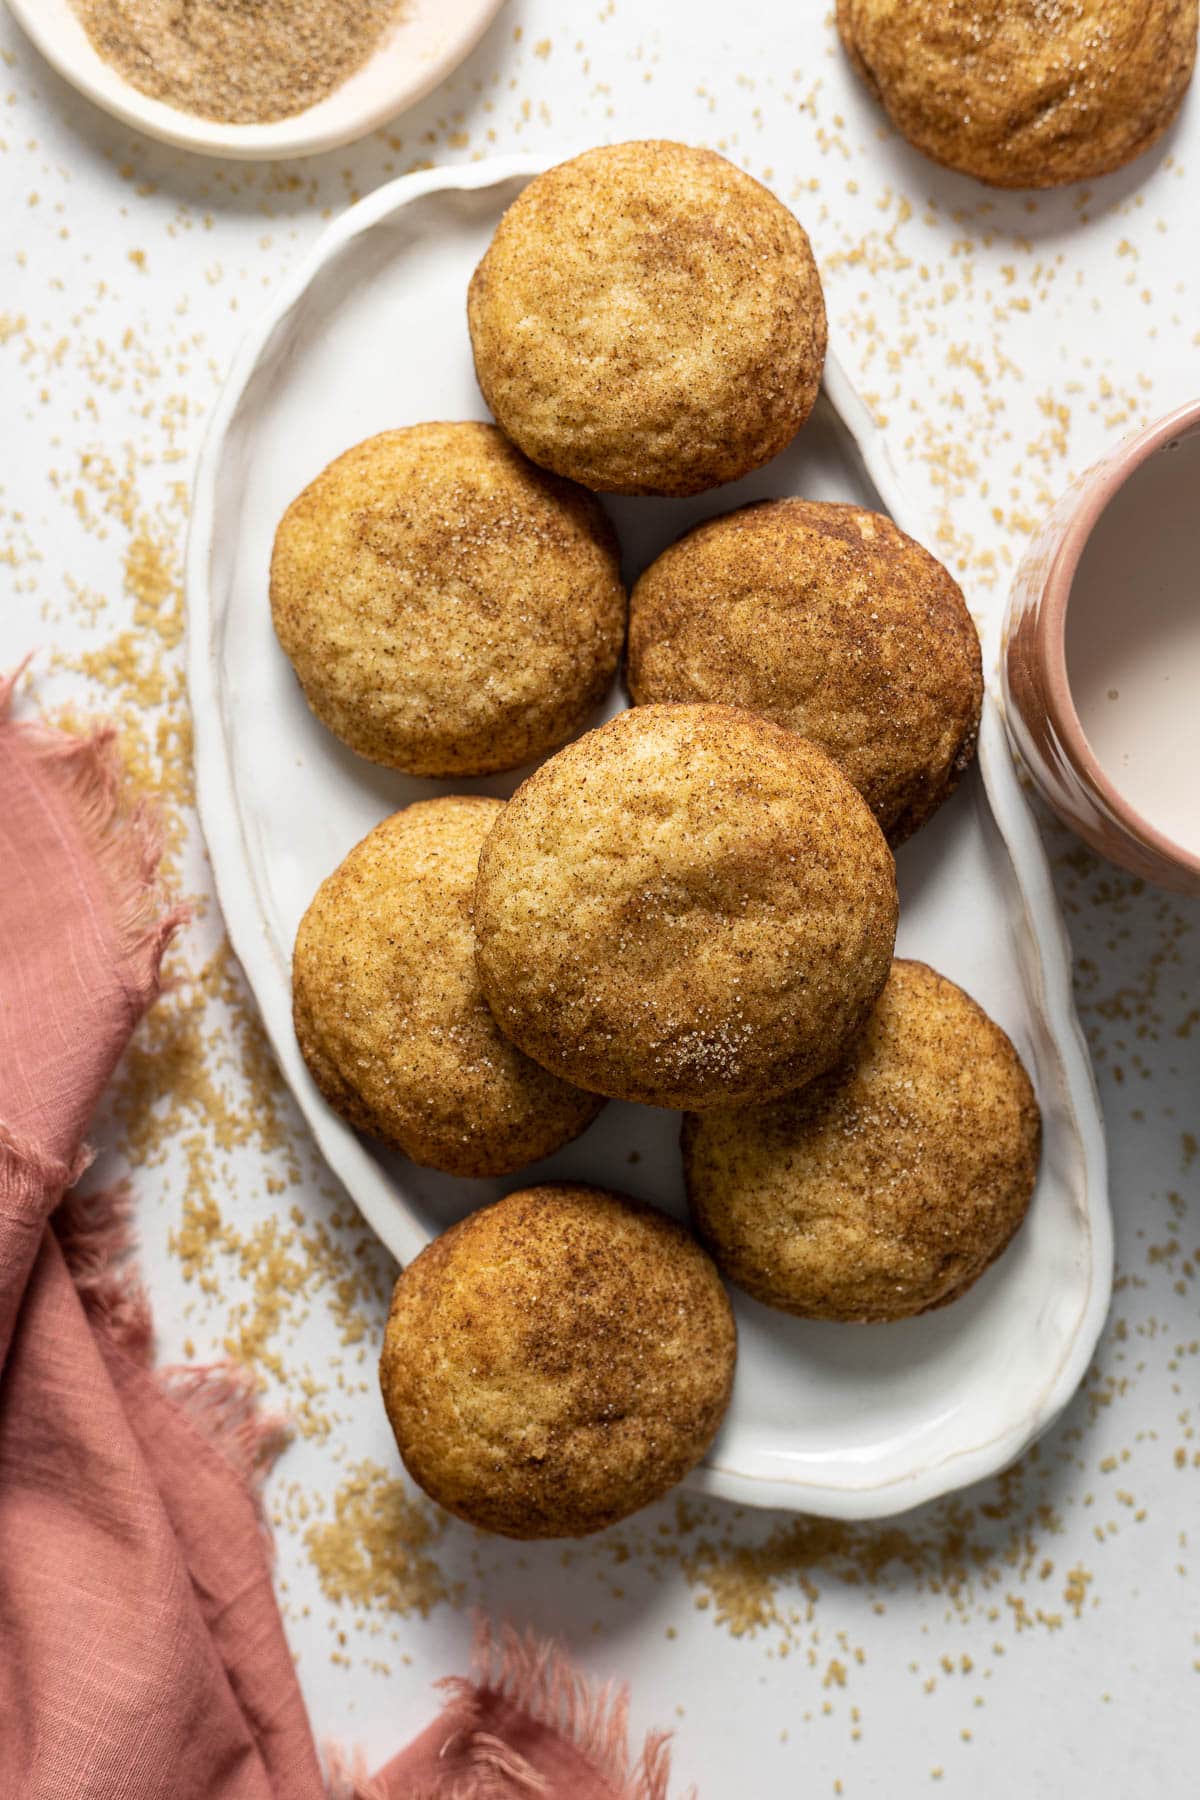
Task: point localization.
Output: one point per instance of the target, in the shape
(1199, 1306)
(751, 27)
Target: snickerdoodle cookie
(690, 907)
(556, 1361)
(648, 320)
(388, 1010)
(1025, 93)
(448, 608)
(887, 1187)
(827, 619)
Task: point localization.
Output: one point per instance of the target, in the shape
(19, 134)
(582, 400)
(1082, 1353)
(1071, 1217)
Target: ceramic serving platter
(852, 1422)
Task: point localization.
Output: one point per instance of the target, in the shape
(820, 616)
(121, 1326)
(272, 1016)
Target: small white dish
(852, 1422)
(430, 39)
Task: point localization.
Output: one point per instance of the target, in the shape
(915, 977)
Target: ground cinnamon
(239, 61)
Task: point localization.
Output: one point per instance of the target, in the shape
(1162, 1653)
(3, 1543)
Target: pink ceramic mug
(1086, 558)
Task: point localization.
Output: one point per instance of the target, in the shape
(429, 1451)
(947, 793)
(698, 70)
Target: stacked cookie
(692, 906)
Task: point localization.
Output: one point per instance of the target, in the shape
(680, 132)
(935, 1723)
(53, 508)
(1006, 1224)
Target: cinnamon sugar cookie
(556, 1361)
(829, 620)
(1025, 93)
(648, 320)
(448, 608)
(689, 907)
(389, 1013)
(888, 1186)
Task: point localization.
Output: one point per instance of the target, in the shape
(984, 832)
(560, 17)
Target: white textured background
(1037, 1634)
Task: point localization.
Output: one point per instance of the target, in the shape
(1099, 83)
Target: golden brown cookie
(1025, 93)
(648, 320)
(887, 1187)
(829, 620)
(557, 1361)
(448, 608)
(388, 1010)
(689, 907)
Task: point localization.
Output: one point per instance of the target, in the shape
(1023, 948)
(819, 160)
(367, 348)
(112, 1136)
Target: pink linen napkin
(141, 1649)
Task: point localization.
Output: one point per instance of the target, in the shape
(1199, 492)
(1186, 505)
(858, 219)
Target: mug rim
(1101, 486)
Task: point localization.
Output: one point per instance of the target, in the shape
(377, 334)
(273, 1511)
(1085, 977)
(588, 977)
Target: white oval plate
(854, 1422)
(430, 40)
